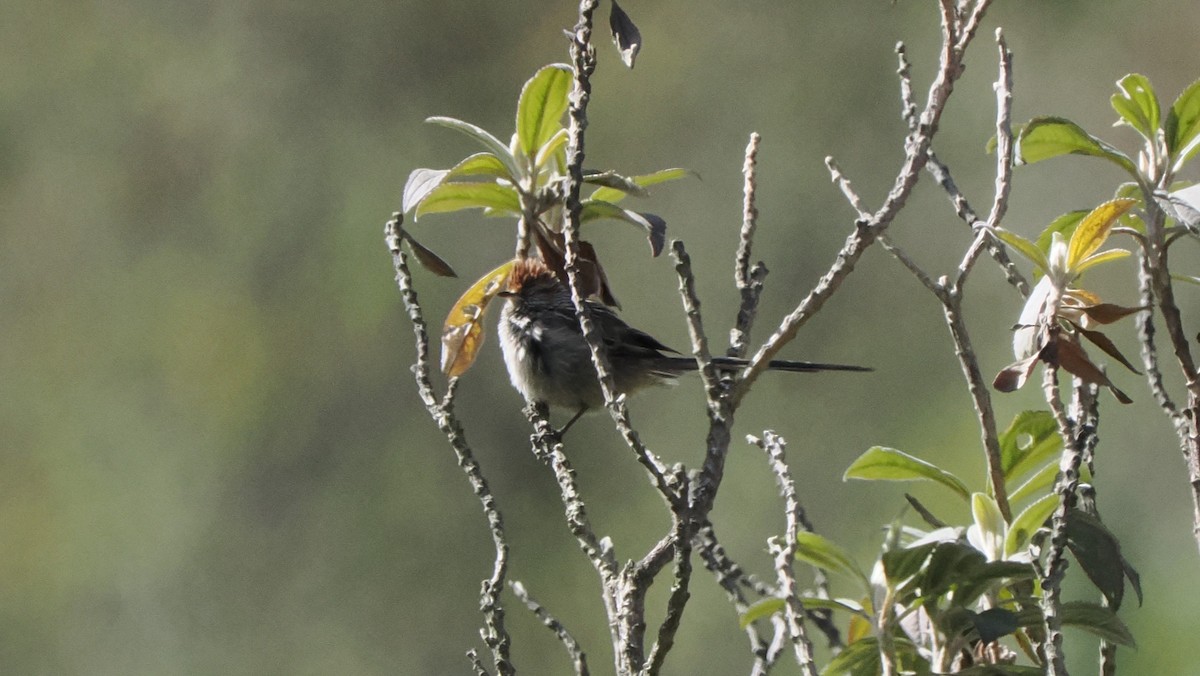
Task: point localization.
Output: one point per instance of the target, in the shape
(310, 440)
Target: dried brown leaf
(1013, 376)
(1071, 357)
(1107, 313)
(427, 258)
(462, 334)
(1102, 341)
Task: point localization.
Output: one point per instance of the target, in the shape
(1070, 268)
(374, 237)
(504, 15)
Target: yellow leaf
(462, 334)
(859, 628)
(1094, 229)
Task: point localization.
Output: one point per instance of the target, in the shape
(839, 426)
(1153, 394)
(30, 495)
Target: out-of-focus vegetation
(213, 460)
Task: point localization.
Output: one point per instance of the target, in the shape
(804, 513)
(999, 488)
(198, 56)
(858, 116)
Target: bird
(549, 361)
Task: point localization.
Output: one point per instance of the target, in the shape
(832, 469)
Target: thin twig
(574, 651)
(774, 445)
(494, 634)
(677, 600)
(691, 306)
(741, 272)
(749, 279)
(476, 665)
(867, 230)
(583, 59)
(907, 261)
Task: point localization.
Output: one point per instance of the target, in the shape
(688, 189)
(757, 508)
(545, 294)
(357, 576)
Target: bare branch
(1056, 562)
(749, 213)
(836, 175)
(773, 445)
(493, 632)
(749, 279)
(691, 305)
(548, 449)
(578, 659)
(867, 230)
(907, 261)
(677, 600)
(583, 59)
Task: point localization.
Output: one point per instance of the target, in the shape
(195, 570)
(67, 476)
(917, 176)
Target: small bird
(549, 361)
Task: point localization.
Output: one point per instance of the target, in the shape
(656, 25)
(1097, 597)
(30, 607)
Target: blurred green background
(213, 458)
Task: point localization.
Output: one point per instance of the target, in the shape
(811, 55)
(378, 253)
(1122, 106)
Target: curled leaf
(1013, 376)
(420, 183)
(1137, 105)
(462, 334)
(655, 226)
(427, 258)
(615, 195)
(625, 34)
(481, 164)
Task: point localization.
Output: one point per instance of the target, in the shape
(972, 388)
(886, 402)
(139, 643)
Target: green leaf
(822, 553)
(1024, 247)
(860, 658)
(1102, 257)
(1031, 439)
(1137, 104)
(948, 566)
(493, 144)
(761, 609)
(853, 607)
(614, 181)
(1183, 120)
(420, 183)
(1037, 484)
(1047, 137)
(888, 464)
(1027, 523)
(987, 514)
(993, 143)
(901, 564)
(655, 227)
(541, 107)
(551, 148)
(1000, 670)
(1064, 225)
(1098, 553)
(456, 196)
(481, 164)
(764, 608)
(1096, 619)
(981, 578)
(1190, 279)
(644, 180)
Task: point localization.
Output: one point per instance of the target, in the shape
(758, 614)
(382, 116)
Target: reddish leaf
(1074, 360)
(1101, 341)
(1107, 313)
(427, 258)
(1013, 377)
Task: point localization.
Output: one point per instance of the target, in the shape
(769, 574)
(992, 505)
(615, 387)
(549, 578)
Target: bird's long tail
(733, 364)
